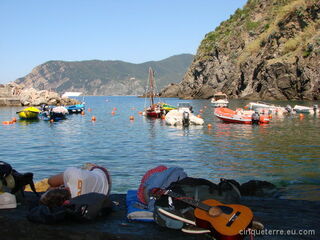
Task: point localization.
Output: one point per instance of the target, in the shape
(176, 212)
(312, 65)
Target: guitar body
(227, 222)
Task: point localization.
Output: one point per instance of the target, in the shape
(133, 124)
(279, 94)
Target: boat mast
(151, 74)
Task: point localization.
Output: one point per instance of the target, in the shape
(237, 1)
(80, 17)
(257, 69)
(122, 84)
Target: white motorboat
(304, 109)
(219, 100)
(183, 116)
(265, 108)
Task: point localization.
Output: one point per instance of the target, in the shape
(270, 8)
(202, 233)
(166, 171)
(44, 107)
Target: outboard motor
(289, 109)
(185, 119)
(255, 117)
(315, 108)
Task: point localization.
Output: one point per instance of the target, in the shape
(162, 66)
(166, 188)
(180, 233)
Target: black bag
(89, 206)
(86, 207)
(5, 169)
(227, 191)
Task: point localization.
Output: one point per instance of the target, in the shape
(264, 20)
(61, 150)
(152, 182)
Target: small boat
(78, 108)
(304, 109)
(183, 115)
(266, 108)
(71, 94)
(239, 116)
(54, 113)
(219, 100)
(29, 113)
(167, 107)
(154, 110)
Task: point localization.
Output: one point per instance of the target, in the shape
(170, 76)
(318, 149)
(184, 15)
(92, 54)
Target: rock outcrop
(268, 50)
(16, 95)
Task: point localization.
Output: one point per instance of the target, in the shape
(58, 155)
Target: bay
(285, 152)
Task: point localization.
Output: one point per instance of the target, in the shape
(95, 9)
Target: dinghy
(29, 113)
(183, 116)
(238, 116)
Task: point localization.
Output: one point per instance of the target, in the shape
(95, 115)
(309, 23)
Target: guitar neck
(189, 201)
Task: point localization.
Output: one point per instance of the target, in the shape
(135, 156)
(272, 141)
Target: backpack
(227, 191)
(83, 208)
(15, 181)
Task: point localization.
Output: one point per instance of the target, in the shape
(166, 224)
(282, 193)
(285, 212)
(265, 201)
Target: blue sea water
(285, 152)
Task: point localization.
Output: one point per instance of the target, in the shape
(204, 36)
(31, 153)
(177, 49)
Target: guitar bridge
(232, 219)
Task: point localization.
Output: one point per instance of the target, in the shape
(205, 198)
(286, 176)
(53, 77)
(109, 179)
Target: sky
(35, 31)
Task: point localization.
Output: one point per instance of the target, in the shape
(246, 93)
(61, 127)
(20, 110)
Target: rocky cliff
(105, 77)
(269, 49)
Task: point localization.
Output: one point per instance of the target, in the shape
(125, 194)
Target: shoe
(186, 218)
(7, 200)
(194, 230)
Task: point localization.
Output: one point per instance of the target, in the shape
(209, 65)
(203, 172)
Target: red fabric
(140, 193)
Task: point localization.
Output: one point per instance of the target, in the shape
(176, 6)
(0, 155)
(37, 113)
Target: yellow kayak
(29, 113)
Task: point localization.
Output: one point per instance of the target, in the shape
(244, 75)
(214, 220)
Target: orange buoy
(114, 109)
(93, 118)
(209, 125)
(140, 112)
(163, 116)
(89, 110)
(14, 119)
(199, 116)
(7, 122)
(301, 115)
(131, 118)
(201, 111)
(82, 113)
(113, 112)
(51, 120)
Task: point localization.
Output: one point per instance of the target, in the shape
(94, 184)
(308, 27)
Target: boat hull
(230, 116)
(29, 113)
(78, 108)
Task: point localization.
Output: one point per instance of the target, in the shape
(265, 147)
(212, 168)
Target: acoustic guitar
(224, 220)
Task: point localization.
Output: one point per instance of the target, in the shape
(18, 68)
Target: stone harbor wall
(283, 220)
(13, 94)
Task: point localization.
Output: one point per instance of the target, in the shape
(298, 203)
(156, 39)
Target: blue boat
(78, 108)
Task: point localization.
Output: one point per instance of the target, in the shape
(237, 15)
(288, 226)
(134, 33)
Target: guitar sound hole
(225, 209)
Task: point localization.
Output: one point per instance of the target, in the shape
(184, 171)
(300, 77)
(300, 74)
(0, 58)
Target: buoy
(140, 112)
(93, 118)
(209, 125)
(270, 116)
(51, 120)
(201, 111)
(82, 113)
(131, 118)
(163, 117)
(199, 116)
(7, 122)
(114, 109)
(301, 115)
(113, 113)
(89, 110)
(14, 119)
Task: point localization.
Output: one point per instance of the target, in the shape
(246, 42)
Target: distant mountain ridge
(97, 77)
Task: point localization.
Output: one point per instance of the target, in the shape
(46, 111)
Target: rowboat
(29, 113)
(238, 116)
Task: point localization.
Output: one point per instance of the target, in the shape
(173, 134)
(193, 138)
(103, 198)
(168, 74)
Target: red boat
(155, 110)
(238, 116)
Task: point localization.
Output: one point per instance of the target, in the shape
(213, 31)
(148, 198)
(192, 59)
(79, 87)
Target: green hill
(105, 77)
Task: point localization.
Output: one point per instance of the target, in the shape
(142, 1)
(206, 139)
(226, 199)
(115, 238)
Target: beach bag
(83, 208)
(173, 213)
